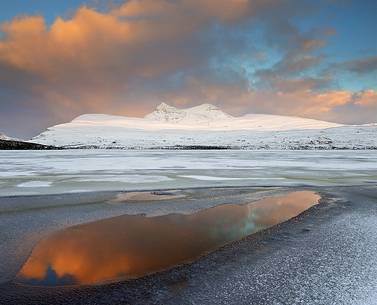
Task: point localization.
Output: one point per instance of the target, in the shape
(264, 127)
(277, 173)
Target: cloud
(362, 65)
(300, 56)
(366, 98)
(128, 39)
(298, 98)
(131, 57)
(93, 53)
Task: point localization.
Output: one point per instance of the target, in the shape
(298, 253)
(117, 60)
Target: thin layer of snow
(35, 184)
(125, 178)
(17, 173)
(216, 178)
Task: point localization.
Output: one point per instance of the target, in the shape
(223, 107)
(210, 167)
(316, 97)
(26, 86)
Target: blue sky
(49, 9)
(355, 25)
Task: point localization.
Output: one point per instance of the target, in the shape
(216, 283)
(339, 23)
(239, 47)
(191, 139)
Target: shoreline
(7, 145)
(185, 284)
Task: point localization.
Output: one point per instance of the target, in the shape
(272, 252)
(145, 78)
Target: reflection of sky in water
(132, 246)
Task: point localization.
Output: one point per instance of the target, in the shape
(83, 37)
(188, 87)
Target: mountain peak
(200, 113)
(3, 136)
(166, 113)
(165, 107)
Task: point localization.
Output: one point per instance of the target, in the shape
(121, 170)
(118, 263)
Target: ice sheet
(49, 172)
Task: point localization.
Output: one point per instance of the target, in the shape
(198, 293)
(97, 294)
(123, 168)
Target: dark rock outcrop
(19, 145)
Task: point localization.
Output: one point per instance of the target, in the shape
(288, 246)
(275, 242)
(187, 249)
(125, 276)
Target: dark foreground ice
(327, 255)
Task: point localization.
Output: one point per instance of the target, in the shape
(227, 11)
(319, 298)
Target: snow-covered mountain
(206, 125)
(3, 136)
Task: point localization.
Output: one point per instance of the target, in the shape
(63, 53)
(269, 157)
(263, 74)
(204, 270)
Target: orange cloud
(91, 37)
(297, 99)
(121, 42)
(366, 98)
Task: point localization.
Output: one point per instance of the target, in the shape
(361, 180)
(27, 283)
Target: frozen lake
(67, 171)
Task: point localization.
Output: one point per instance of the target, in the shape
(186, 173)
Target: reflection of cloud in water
(132, 246)
(263, 213)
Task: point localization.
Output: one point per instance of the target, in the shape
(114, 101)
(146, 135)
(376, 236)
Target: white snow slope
(5, 137)
(207, 125)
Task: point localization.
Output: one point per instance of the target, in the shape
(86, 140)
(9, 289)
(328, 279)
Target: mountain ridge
(208, 116)
(200, 113)
(206, 125)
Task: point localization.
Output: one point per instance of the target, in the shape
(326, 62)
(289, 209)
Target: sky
(60, 59)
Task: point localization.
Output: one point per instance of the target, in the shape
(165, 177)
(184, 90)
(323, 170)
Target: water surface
(128, 246)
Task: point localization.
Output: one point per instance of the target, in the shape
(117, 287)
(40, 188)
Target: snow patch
(127, 179)
(35, 184)
(214, 178)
